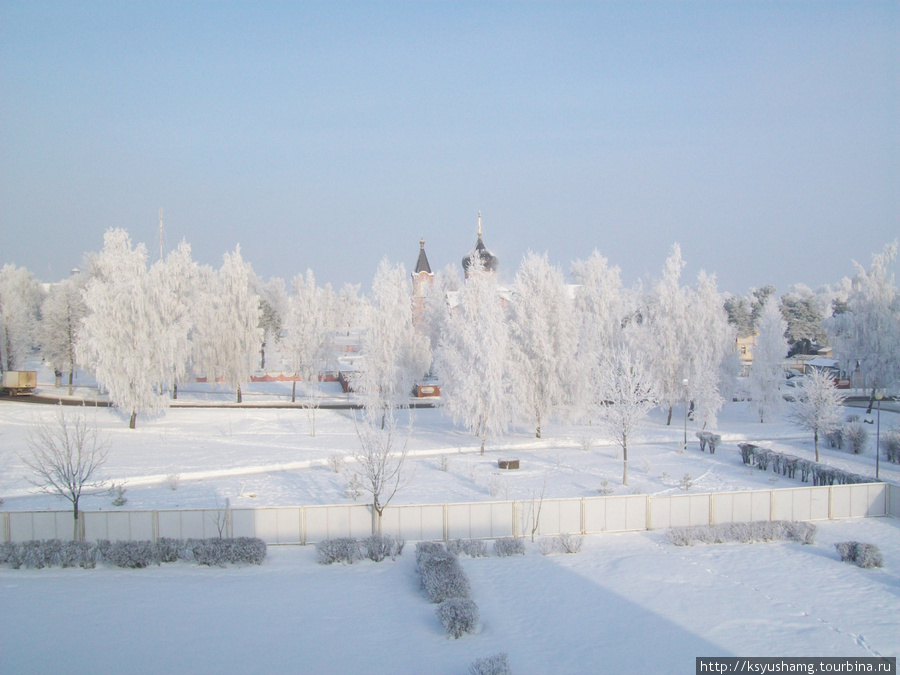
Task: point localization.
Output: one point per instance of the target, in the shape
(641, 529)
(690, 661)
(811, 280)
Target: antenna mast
(161, 238)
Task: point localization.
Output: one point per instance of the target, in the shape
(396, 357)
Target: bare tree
(65, 457)
(379, 463)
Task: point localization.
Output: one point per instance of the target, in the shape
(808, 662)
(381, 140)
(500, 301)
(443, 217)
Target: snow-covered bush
(507, 546)
(788, 465)
(890, 441)
(173, 480)
(744, 533)
(856, 436)
(440, 572)
(496, 664)
(561, 543)
(687, 482)
(119, 491)
(864, 555)
(707, 438)
(129, 554)
(378, 547)
(836, 438)
(340, 549)
(474, 548)
(458, 616)
(237, 551)
(336, 462)
(169, 550)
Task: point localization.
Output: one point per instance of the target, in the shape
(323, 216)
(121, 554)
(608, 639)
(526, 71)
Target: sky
(764, 138)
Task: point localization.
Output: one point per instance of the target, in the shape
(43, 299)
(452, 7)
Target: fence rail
(477, 520)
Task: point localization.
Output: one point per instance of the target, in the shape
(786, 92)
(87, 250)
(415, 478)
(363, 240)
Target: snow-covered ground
(627, 603)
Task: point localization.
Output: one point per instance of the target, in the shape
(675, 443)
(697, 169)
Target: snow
(628, 602)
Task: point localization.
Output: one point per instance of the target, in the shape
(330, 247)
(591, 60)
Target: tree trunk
(75, 532)
(239, 400)
(174, 392)
(816, 441)
(871, 399)
(625, 465)
(483, 438)
(376, 518)
(133, 419)
(71, 378)
(294, 390)
(262, 356)
(669, 418)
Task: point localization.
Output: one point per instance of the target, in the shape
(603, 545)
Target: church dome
(488, 259)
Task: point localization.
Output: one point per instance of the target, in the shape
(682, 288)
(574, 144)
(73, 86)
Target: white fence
(478, 520)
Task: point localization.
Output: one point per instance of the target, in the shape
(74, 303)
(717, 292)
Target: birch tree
(666, 319)
(61, 316)
(65, 457)
(119, 336)
(769, 352)
(542, 339)
(708, 339)
(817, 405)
(473, 357)
(866, 335)
(380, 460)
(240, 336)
(626, 387)
(394, 352)
(20, 301)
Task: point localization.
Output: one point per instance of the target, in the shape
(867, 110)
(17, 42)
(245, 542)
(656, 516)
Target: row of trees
(538, 351)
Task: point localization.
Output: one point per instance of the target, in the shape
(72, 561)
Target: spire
(479, 224)
(422, 264)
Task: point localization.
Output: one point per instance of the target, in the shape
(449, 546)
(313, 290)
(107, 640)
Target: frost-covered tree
(20, 301)
(666, 333)
(226, 336)
(173, 292)
(627, 391)
(273, 301)
(804, 319)
(436, 308)
(599, 312)
(120, 336)
(817, 405)
(758, 297)
(542, 339)
(473, 357)
(65, 457)
(867, 334)
(769, 352)
(394, 352)
(709, 339)
(61, 316)
(380, 459)
(738, 312)
(306, 341)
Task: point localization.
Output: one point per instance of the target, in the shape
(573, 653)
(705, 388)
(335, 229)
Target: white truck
(18, 382)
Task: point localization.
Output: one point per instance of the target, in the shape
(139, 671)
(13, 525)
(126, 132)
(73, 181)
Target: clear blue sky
(763, 137)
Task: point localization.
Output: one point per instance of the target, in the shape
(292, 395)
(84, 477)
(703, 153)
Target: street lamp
(878, 397)
(685, 383)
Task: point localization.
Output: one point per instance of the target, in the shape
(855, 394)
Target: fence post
(830, 502)
(648, 518)
(154, 525)
(712, 508)
(445, 524)
(6, 535)
(302, 526)
(582, 515)
(771, 505)
(515, 516)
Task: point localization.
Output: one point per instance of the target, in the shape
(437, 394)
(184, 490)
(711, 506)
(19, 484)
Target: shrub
(219, 552)
(341, 549)
(130, 554)
(890, 441)
(443, 577)
(496, 664)
(458, 616)
(857, 437)
(508, 546)
(474, 548)
(336, 462)
(173, 480)
(378, 547)
(561, 543)
(744, 533)
(169, 550)
(864, 555)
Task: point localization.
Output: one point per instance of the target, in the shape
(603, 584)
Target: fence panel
(482, 520)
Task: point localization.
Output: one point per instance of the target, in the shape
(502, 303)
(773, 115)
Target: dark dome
(488, 259)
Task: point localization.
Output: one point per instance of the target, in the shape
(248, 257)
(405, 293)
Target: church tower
(422, 280)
